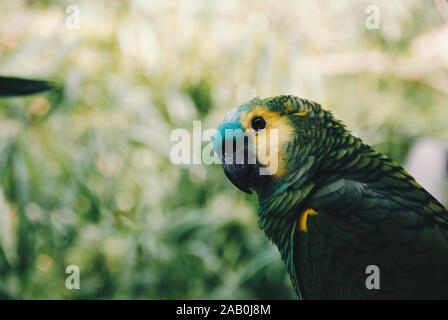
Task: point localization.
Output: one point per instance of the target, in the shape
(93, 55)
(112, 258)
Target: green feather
(370, 211)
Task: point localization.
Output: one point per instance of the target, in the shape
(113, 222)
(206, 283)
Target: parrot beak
(235, 161)
(237, 153)
(239, 174)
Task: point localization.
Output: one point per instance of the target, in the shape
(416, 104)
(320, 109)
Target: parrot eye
(258, 123)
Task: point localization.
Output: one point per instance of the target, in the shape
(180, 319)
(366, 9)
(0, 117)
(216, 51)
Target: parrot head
(263, 142)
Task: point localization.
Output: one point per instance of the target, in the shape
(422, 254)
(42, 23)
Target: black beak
(240, 163)
(237, 166)
(239, 174)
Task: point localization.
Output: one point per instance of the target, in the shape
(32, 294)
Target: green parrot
(349, 222)
(12, 86)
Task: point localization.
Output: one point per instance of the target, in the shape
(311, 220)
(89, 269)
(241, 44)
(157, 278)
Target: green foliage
(200, 94)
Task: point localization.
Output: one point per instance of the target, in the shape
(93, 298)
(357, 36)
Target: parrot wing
(393, 224)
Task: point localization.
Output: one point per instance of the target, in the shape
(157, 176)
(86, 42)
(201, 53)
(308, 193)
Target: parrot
(13, 86)
(348, 221)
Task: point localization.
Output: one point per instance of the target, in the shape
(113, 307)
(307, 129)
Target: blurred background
(85, 173)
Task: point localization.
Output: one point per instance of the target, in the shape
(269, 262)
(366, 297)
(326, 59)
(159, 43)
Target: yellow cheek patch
(267, 146)
(304, 217)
